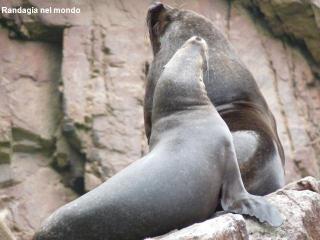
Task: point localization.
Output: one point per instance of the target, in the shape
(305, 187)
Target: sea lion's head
(169, 27)
(180, 85)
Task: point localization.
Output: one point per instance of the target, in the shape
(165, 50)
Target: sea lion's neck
(180, 86)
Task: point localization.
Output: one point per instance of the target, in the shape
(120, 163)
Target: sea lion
(179, 182)
(230, 87)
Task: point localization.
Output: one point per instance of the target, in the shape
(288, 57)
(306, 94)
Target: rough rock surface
(299, 204)
(229, 226)
(297, 20)
(71, 92)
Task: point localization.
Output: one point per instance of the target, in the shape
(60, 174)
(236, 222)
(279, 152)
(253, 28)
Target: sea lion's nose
(197, 40)
(155, 7)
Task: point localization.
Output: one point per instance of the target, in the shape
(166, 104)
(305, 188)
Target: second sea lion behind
(230, 87)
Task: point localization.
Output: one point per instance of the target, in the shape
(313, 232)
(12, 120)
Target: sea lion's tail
(258, 207)
(5, 232)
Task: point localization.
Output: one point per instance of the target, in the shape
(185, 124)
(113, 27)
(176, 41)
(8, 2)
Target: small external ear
(161, 24)
(153, 16)
(157, 20)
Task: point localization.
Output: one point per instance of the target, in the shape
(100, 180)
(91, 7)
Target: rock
(5, 137)
(36, 192)
(298, 202)
(307, 183)
(63, 151)
(69, 162)
(26, 141)
(230, 226)
(5, 233)
(72, 99)
(5, 140)
(91, 117)
(5, 174)
(32, 104)
(76, 75)
(296, 20)
(91, 180)
(30, 114)
(40, 25)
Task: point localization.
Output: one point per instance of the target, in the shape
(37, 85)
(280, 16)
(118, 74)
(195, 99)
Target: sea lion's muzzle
(202, 44)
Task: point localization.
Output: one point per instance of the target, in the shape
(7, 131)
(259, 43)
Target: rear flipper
(235, 198)
(255, 206)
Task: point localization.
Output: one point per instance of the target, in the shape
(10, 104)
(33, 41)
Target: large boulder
(296, 20)
(298, 202)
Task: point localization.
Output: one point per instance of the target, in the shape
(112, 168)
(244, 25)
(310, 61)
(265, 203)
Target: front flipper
(235, 198)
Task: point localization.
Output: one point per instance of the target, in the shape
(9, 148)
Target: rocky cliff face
(71, 92)
(297, 22)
